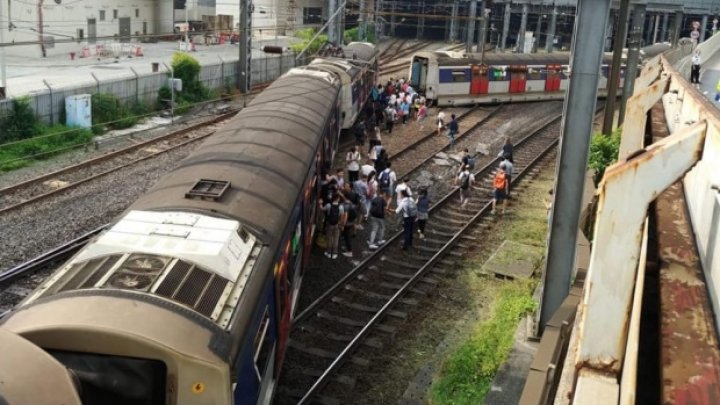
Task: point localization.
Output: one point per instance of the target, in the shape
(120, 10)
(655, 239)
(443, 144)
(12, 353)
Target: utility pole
(634, 43)
(362, 22)
(379, 21)
(332, 28)
(454, 22)
(703, 27)
(577, 122)
(245, 70)
(506, 26)
(550, 39)
(614, 78)
(3, 63)
(656, 28)
(471, 26)
(523, 28)
(677, 28)
(421, 21)
(482, 35)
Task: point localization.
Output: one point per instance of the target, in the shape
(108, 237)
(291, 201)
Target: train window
(262, 345)
(459, 76)
(536, 74)
(114, 380)
(497, 74)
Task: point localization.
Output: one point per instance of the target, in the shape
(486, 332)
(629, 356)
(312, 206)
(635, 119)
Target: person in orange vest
(500, 189)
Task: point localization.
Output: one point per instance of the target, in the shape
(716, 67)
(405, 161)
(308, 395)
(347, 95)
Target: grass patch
(468, 373)
(55, 139)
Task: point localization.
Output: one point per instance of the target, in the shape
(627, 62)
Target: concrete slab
(513, 260)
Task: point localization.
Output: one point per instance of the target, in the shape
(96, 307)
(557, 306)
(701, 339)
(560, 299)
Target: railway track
(365, 308)
(394, 46)
(60, 181)
(16, 283)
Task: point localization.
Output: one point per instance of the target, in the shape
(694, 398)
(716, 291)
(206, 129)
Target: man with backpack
(386, 181)
(335, 218)
(377, 220)
(465, 180)
(408, 208)
(500, 186)
(467, 160)
(507, 165)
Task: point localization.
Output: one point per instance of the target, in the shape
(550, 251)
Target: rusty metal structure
(655, 236)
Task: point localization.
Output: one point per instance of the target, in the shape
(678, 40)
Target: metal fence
(49, 104)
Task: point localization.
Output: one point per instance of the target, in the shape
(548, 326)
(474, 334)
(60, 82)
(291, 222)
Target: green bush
(109, 113)
(603, 152)
(468, 373)
(352, 34)
(20, 123)
(305, 36)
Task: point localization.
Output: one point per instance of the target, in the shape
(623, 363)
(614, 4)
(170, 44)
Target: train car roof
(263, 154)
(362, 50)
(651, 51)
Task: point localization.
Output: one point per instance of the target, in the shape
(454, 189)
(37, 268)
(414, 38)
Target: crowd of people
(372, 192)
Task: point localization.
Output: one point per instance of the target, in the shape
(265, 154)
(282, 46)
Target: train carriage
(188, 297)
(358, 72)
(463, 79)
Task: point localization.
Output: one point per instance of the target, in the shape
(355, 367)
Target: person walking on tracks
(408, 208)
(377, 221)
(423, 211)
(453, 128)
(465, 180)
(467, 160)
(440, 122)
(507, 165)
(403, 186)
(386, 181)
(335, 219)
(507, 150)
(500, 185)
(361, 189)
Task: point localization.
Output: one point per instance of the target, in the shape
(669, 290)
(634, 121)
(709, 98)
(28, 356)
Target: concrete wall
(144, 88)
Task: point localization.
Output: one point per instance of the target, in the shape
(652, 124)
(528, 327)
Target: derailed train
(458, 79)
(187, 298)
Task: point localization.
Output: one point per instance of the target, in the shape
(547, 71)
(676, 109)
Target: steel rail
(107, 156)
(53, 254)
(312, 307)
(322, 380)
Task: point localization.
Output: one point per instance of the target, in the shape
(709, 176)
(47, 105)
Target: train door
(518, 79)
(479, 83)
(552, 82)
(418, 73)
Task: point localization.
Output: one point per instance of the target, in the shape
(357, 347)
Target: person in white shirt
(367, 168)
(440, 120)
(695, 68)
(403, 186)
(353, 164)
(408, 208)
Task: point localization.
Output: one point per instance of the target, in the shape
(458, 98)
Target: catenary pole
(506, 26)
(471, 27)
(482, 34)
(523, 27)
(676, 28)
(703, 27)
(550, 39)
(3, 63)
(245, 27)
(634, 43)
(614, 76)
(577, 122)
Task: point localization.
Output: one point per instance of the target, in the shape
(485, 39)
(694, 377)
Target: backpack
(499, 181)
(333, 216)
(471, 162)
(411, 208)
(384, 179)
(351, 211)
(377, 208)
(465, 181)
